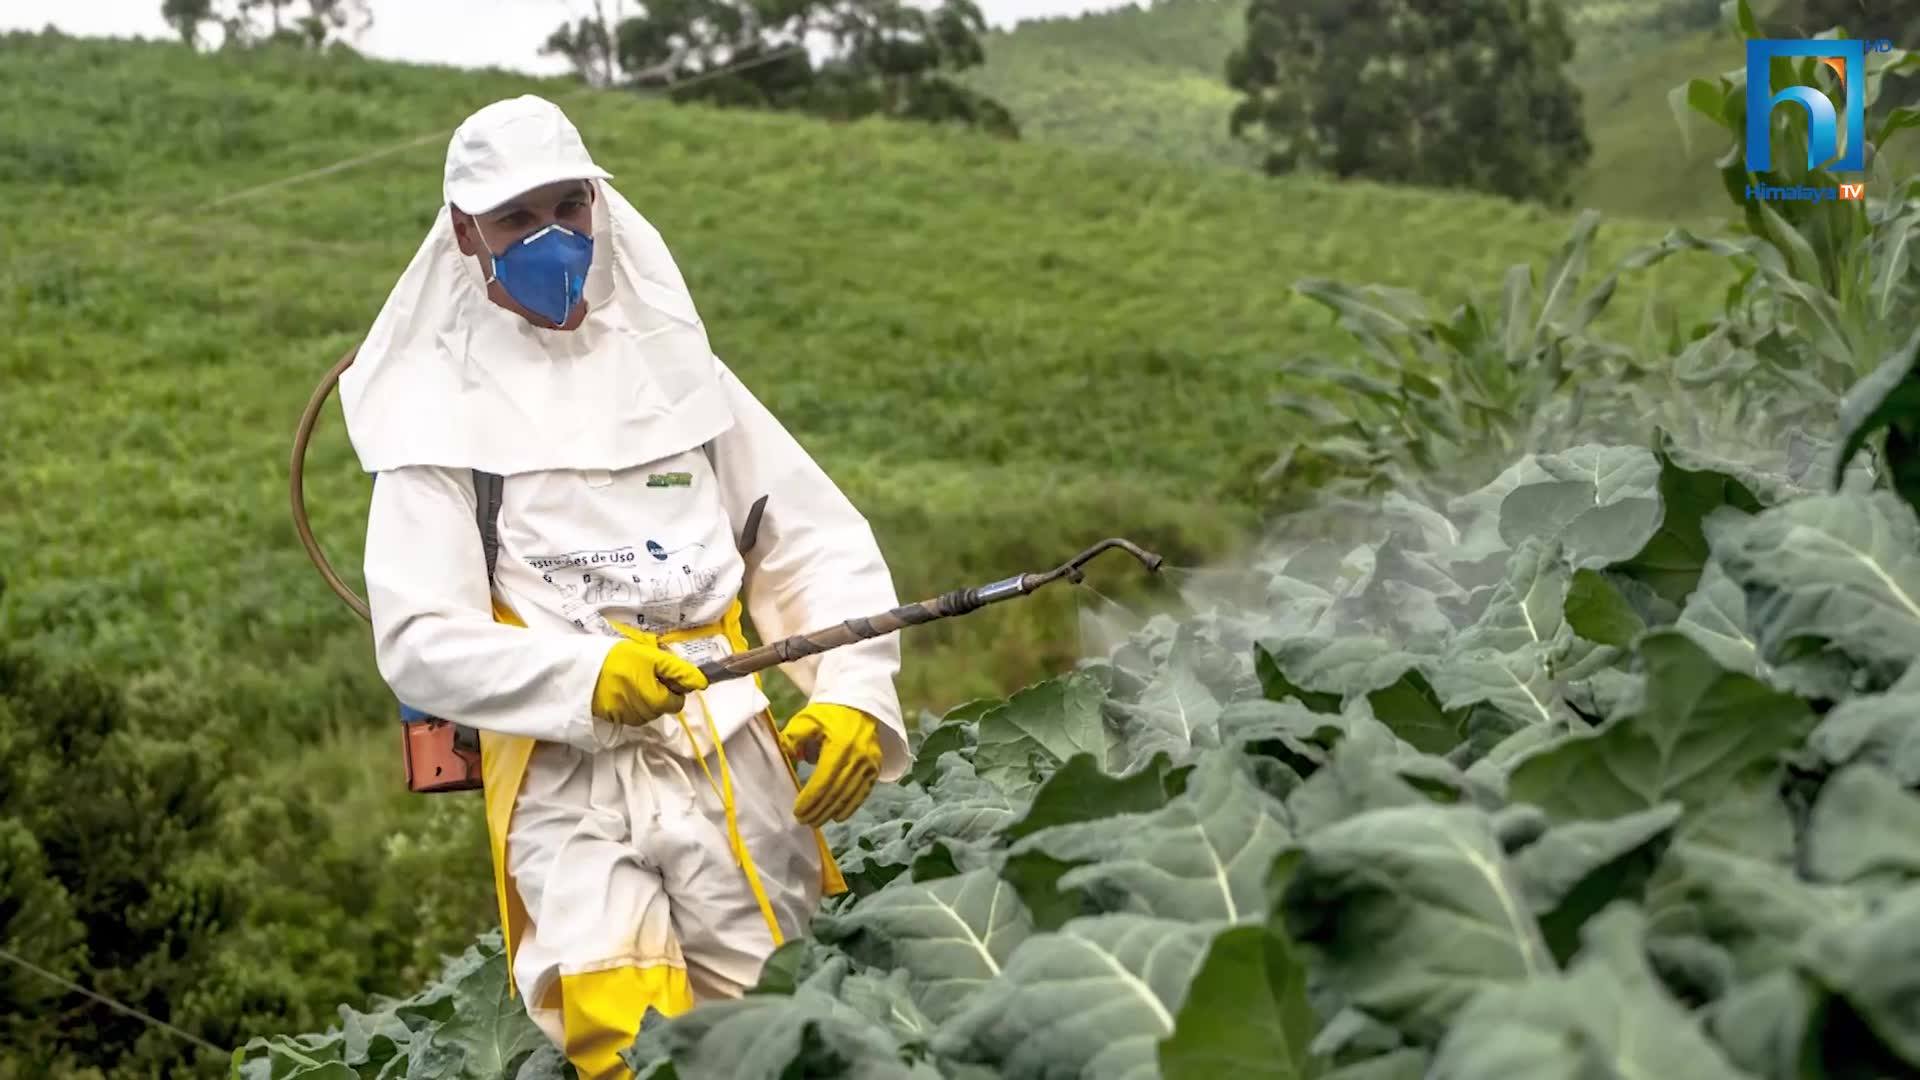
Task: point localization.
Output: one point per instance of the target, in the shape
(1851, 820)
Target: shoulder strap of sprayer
(487, 490)
(489, 487)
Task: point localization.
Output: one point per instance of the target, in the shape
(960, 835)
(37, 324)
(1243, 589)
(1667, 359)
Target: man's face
(568, 203)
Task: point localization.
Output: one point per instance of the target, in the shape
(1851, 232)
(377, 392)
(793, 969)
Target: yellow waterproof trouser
(601, 1013)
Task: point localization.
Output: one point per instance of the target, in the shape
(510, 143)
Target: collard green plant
(1624, 776)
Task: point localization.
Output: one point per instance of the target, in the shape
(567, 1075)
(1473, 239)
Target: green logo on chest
(670, 479)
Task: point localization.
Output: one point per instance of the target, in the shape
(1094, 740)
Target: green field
(1096, 336)
(1003, 353)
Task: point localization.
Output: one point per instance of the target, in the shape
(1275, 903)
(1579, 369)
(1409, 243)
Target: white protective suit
(611, 848)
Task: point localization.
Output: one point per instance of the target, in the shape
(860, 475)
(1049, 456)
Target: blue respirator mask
(545, 272)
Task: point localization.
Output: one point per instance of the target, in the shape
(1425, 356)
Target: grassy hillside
(1641, 162)
(1096, 335)
(1148, 81)
(1003, 352)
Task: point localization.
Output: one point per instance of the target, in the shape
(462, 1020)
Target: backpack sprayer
(445, 756)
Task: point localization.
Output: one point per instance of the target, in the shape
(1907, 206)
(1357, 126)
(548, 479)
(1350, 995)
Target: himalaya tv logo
(1848, 59)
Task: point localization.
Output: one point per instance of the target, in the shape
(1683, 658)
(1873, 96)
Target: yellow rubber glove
(849, 760)
(640, 681)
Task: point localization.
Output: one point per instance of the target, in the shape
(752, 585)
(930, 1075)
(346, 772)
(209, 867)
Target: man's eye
(572, 206)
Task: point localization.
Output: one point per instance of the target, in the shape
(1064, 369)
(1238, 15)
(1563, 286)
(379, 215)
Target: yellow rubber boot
(600, 1013)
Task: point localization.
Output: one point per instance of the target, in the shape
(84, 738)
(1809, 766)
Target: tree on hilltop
(842, 59)
(1446, 93)
(308, 23)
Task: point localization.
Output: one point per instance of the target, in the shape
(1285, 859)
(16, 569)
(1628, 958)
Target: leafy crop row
(1605, 765)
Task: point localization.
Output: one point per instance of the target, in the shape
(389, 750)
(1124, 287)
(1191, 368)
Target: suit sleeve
(435, 639)
(815, 562)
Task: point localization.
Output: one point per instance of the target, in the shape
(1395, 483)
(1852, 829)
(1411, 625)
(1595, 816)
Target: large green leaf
(950, 737)
(294, 1069)
(1479, 510)
(546, 1063)
(1887, 400)
(1840, 571)
(1526, 610)
(488, 1026)
(793, 963)
(1755, 907)
(1035, 876)
(1426, 528)
(1176, 714)
(871, 846)
(889, 1001)
(1598, 609)
(1080, 791)
(1482, 730)
(1751, 817)
(1246, 1013)
(1863, 826)
(952, 936)
(1369, 768)
(1509, 657)
(1409, 911)
(1399, 595)
(1492, 770)
(966, 808)
(1601, 505)
(1340, 667)
(1411, 709)
(901, 823)
(308, 1057)
(1768, 1026)
(1215, 646)
(1286, 730)
(1608, 1016)
(1093, 999)
(1204, 855)
(1275, 684)
(1040, 726)
(1572, 871)
(1874, 964)
(1698, 733)
(1745, 483)
(1715, 619)
(1672, 558)
(374, 1039)
(772, 1036)
(1879, 728)
(463, 1025)
(1517, 683)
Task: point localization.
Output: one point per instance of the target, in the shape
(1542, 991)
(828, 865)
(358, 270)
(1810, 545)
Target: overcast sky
(475, 33)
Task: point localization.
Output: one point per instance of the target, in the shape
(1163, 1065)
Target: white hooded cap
(513, 146)
(446, 377)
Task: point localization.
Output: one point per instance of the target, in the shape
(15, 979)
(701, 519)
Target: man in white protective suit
(651, 843)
